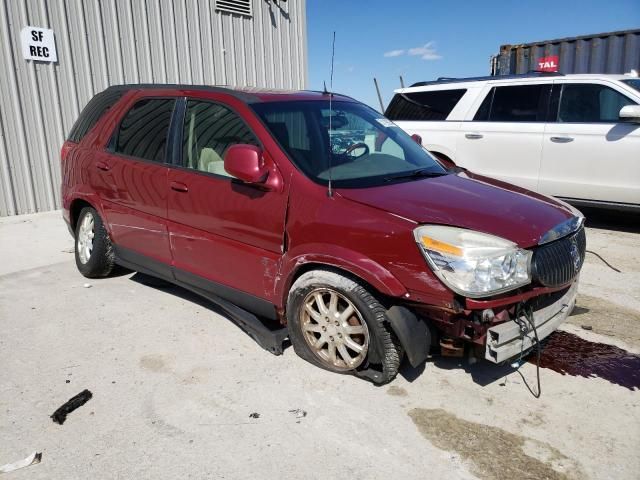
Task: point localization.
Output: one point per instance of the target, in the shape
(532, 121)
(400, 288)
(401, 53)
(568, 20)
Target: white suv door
(504, 137)
(588, 153)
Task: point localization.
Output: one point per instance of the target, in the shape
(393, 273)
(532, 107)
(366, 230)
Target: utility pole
(379, 96)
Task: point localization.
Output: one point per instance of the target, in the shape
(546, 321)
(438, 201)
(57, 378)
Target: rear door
(226, 236)
(504, 138)
(588, 153)
(131, 181)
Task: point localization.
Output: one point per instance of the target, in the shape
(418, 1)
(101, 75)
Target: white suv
(576, 137)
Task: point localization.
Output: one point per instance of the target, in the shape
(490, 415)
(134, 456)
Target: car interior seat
(211, 162)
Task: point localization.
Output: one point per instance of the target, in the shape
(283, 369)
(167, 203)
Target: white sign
(38, 44)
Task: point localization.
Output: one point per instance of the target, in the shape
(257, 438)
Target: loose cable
(528, 316)
(604, 261)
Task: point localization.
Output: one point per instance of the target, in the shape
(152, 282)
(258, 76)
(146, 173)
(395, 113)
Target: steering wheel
(355, 146)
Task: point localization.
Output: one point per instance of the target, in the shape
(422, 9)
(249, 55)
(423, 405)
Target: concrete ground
(175, 385)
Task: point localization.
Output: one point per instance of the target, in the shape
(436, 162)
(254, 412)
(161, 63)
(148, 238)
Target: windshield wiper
(422, 173)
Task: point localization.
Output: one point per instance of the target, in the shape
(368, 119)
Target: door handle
(179, 187)
(561, 139)
(473, 136)
(103, 166)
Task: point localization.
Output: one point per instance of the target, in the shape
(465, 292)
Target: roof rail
(443, 80)
(240, 94)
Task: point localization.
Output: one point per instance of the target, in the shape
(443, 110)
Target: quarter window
(633, 83)
(433, 105)
(209, 130)
(520, 103)
(581, 103)
(144, 129)
(94, 110)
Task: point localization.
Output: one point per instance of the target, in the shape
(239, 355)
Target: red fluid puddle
(569, 354)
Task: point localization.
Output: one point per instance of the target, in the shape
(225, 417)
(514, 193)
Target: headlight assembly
(471, 263)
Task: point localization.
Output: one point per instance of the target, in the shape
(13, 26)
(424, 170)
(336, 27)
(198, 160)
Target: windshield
(633, 83)
(352, 143)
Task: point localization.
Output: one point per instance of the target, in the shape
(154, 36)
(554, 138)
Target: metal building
(104, 42)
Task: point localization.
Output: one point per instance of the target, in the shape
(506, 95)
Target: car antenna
(333, 49)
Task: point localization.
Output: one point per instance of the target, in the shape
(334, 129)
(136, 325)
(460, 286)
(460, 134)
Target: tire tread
(390, 348)
(103, 258)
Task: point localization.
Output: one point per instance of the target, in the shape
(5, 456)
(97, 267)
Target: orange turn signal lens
(442, 247)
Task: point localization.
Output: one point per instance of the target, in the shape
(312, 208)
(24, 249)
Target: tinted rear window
(635, 83)
(434, 105)
(144, 129)
(94, 110)
(521, 103)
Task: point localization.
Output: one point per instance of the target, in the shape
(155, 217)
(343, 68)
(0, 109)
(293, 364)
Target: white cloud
(426, 52)
(394, 53)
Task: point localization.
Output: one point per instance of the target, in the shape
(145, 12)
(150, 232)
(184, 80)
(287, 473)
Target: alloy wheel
(334, 329)
(86, 233)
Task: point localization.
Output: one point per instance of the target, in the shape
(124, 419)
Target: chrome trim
(562, 230)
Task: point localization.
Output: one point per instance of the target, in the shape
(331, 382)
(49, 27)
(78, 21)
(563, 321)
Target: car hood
(470, 201)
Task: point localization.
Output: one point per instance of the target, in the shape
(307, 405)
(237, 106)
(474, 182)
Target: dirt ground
(179, 391)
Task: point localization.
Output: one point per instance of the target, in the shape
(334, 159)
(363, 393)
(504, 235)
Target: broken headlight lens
(471, 263)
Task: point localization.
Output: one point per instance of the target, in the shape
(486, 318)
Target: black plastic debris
(254, 415)
(60, 415)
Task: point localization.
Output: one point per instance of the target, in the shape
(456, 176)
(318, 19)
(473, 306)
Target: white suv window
(435, 105)
(590, 103)
(517, 103)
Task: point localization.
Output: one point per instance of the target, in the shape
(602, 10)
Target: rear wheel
(94, 251)
(337, 324)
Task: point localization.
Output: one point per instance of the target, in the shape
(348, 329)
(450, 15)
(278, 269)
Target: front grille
(558, 263)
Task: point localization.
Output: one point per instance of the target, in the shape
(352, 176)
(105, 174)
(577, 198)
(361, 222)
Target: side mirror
(245, 162)
(417, 138)
(630, 113)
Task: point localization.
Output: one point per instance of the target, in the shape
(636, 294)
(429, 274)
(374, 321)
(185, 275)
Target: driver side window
(590, 103)
(209, 130)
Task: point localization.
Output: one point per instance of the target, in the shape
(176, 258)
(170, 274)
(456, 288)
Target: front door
(131, 180)
(225, 236)
(504, 139)
(588, 153)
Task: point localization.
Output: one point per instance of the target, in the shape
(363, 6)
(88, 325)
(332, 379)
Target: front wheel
(336, 324)
(94, 251)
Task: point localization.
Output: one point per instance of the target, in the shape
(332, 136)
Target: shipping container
(613, 52)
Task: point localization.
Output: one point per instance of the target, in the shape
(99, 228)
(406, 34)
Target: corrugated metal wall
(105, 42)
(615, 52)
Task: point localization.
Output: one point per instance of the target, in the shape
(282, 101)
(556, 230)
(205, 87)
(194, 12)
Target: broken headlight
(471, 263)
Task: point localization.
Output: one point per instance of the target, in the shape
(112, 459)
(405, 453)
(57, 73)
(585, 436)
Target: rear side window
(209, 130)
(92, 112)
(580, 103)
(634, 83)
(521, 103)
(144, 129)
(434, 105)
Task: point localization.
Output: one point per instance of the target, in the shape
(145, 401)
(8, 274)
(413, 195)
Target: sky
(423, 40)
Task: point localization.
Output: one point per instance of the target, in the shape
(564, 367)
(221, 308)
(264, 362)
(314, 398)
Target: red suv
(309, 215)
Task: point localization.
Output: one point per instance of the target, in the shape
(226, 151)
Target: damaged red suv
(310, 216)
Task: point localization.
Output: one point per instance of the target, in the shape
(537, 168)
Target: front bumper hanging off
(505, 341)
